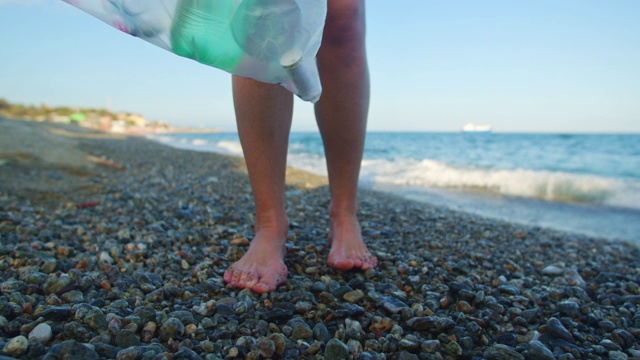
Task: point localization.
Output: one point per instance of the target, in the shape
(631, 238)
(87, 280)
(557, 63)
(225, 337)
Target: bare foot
(348, 250)
(262, 268)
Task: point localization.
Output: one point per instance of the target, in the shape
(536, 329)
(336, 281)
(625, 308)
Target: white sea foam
(546, 185)
(308, 162)
(199, 142)
(230, 147)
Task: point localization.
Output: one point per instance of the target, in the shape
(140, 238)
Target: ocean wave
(230, 147)
(545, 185)
(550, 185)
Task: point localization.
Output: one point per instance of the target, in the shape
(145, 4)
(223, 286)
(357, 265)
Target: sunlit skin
(263, 115)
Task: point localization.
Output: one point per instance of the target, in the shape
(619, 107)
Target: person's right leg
(263, 115)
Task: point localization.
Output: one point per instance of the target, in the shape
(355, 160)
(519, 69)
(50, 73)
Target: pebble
(336, 349)
(16, 346)
(430, 346)
(354, 296)
(320, 332)
(553, 270)
(391, 304)
(127, 338)
(569, 308)
(501, 352)
(434, 324)
(56, 313)
(279, 341)
(405, 355)
(57, 283)
(71, 349)
(266, 348)
(556, 329)
(301, 331)
(171, 329)
(454, 349)
(41, 333)
(538, 351)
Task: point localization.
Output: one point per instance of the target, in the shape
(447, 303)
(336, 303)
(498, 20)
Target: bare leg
(342, 117)
(263, 114)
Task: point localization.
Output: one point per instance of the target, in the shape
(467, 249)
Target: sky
(570, 66)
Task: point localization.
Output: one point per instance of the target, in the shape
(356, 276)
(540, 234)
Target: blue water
(579, 183)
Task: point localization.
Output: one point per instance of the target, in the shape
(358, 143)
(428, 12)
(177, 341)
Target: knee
(345, 24)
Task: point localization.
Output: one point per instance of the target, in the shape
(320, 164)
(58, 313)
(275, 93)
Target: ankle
(271, 223)
(343, 212)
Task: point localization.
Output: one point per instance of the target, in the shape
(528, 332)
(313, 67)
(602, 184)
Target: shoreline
(614, 223)
(124, 257)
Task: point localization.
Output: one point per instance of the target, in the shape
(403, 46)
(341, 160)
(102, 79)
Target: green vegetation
(43, 111)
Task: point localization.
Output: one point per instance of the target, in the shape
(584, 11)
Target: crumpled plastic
(274, 41)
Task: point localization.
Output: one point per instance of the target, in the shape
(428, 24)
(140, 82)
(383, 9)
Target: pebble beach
(114, 247)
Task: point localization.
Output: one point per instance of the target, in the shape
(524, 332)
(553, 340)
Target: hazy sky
(543, 66)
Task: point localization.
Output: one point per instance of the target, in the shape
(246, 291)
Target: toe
(244, 278)
(228, 275)
(369, 262)
(251, 281)
(342, 264)
(262, 287)
(235, 279)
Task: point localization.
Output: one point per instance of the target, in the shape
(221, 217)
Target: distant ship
(471, 127)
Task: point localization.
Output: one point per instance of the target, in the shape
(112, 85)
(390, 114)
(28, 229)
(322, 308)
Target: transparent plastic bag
(273, 41)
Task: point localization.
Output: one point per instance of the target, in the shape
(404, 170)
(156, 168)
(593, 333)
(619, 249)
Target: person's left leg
(341, 114)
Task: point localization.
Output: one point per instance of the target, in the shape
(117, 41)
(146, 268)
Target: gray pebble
(391, 304)
(430, 346)
(405, 355)
(617, 355)
(171, 329)
(434, 324)
(569, 308)
(321, 333)
(71, 349)
(538, 351)
(56, 284)
(336, 349)
(501, 352)
(41, 333)
(127, 338)
(556, 329)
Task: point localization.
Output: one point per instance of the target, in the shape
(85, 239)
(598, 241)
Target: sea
(581, 183)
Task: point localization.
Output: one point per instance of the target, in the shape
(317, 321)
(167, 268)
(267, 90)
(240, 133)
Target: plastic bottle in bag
(273, 41)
